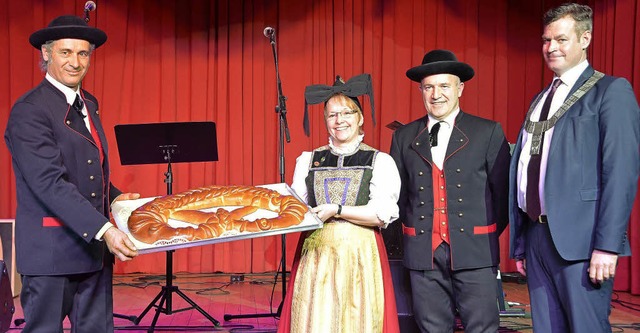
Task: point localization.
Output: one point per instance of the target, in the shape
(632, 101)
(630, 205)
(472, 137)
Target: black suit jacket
(476, 171)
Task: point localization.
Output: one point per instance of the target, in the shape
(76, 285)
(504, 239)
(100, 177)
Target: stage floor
(258, 294)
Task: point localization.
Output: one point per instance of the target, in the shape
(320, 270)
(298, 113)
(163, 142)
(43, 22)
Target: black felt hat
(440, 62)
(68, 26)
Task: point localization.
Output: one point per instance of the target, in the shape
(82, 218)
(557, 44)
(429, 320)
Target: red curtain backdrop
(168, 61)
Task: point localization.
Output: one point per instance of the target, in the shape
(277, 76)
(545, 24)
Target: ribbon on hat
(320, 93)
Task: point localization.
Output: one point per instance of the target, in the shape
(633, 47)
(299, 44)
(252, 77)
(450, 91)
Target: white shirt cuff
(103, 230)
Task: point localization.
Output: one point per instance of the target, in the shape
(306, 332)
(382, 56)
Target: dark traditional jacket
(63, 192)
(476, 173)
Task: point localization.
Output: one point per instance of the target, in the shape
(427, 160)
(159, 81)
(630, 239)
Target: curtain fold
(199, 60)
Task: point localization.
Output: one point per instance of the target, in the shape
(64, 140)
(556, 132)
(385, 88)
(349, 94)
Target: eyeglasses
(346, 114)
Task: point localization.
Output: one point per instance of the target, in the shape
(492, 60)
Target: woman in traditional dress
(341, 281)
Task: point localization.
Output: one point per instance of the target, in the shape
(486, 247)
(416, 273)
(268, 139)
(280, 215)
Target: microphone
(269, 31)
(88, 6)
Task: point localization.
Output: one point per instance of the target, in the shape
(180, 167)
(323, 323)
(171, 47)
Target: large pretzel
(149, 223)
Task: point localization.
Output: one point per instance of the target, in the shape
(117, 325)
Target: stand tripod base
(129, 318)
(228, 317)
(283, 261)
(165, 297)
(165, 304)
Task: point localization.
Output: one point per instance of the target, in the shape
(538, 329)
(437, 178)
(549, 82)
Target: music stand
(161, 143)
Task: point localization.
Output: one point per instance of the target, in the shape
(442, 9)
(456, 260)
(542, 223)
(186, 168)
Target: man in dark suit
(574, 176)
(453, 201)
(59, 154)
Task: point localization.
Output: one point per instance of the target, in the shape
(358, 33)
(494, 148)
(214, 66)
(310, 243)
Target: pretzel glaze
(149, 222)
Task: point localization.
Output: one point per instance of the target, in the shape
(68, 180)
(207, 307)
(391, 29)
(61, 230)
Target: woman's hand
(325, 211)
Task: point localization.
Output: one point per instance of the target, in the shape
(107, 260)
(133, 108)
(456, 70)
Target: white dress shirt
(70, 95)
(439, 152)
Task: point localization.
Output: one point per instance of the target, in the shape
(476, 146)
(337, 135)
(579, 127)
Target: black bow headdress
(320, 93)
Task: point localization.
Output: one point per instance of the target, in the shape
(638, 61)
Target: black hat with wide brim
(68, 26)
(440, 62)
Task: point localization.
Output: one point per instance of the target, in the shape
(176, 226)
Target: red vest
(440, 228)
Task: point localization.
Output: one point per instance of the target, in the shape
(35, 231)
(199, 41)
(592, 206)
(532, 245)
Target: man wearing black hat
(59, 154)
(453, 201)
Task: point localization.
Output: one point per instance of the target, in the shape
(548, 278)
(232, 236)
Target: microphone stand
(283, 134)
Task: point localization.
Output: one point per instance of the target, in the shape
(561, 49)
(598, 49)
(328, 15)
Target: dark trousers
(87, 299)
(439, 292)
(563, 299)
